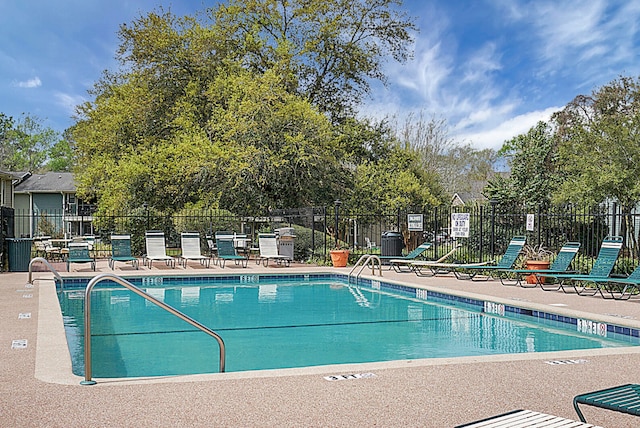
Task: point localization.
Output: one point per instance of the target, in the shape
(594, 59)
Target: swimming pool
(282, 321)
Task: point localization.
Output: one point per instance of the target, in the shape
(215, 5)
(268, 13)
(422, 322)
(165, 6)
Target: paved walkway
(38, 389)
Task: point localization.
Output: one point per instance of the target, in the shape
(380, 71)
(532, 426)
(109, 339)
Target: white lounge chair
(269, 250)
(156, 249)
(190, 242)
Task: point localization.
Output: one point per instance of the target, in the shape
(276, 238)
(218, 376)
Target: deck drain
(349, 376)
(19, 344)
(24, 316)
(565, 362)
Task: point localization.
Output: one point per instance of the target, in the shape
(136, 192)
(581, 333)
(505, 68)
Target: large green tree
(600, 146)
(230, 107)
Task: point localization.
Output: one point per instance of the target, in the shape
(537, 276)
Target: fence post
(493, 203)
(337, 203)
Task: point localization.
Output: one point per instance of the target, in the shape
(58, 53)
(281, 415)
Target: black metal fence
(483, 232)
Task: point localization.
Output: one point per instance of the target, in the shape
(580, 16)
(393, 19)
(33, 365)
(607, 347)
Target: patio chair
(623, 399)
(121, 251)
(396, 262)
(190, 243)
(471, 270)
(602, 267)
(560, 265)
(419, 266)
(269, 250)
(156, 249)
(526, 418)
(45, 248)
(226, 251)
(620, 288)
(79, 253)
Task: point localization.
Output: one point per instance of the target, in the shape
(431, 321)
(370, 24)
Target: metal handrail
(87, 321)
(46, 262)
(365, 259)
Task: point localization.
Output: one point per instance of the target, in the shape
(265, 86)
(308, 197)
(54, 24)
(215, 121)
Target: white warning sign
(460, 225)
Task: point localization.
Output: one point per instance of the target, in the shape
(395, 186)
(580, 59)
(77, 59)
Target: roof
(8, 175)
(461, 198)
(51, 182)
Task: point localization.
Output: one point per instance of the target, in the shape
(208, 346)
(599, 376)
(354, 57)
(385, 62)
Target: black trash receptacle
(391, 244)
(19, 252)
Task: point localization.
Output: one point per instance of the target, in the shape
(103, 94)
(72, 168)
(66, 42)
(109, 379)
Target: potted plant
(339, 257)
(536, 258)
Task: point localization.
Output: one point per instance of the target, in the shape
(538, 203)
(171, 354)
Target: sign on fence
(531, 221)
(460, 225)
(414, 222)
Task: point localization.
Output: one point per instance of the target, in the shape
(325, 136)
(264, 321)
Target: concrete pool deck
(38, 389)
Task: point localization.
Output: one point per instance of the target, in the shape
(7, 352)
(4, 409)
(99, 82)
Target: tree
(60, 157)
(329, 49)
(24, 144)
(600, 147)
(533, 160)
(232, 111)
(260, 148)
(458, 167)
(386, 173)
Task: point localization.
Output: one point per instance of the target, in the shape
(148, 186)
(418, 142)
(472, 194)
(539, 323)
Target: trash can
(19, 252)
(391, 243)
(286, 241)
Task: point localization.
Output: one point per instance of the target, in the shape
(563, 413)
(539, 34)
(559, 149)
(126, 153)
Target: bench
(526, 418)
(623, 398)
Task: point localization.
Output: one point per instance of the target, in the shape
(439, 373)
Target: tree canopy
(27, 145)
(247, 106)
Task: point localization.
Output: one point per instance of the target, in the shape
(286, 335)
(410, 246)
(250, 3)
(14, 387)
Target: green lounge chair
(471, 270)
(397, 263)
(121, 251)
(190, 243)
(79, 253)
(623, 399)
(560, 266)
(156, 250)
(602, 267)
(269, 250)
(625, 287)
(226, 251)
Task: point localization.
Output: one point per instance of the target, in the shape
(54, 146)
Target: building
(6, 189)
(46, 204)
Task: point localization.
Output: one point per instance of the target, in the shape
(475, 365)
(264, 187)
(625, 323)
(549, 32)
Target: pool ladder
(87, 314)
(51, 268)
(362, 262)
(87, 321)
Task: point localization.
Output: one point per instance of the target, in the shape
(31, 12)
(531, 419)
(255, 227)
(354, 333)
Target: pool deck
(37, 388)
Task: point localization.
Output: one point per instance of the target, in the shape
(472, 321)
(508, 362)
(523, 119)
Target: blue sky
(491, 68)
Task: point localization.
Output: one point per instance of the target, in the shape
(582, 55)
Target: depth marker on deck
(19, 344)
(565, 362)
(24, 316)
(349, 376)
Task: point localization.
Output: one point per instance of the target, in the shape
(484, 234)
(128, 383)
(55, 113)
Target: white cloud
(69, 102)
(31, 83)
(494, 137)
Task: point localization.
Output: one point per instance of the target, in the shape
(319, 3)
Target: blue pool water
(275, 322)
